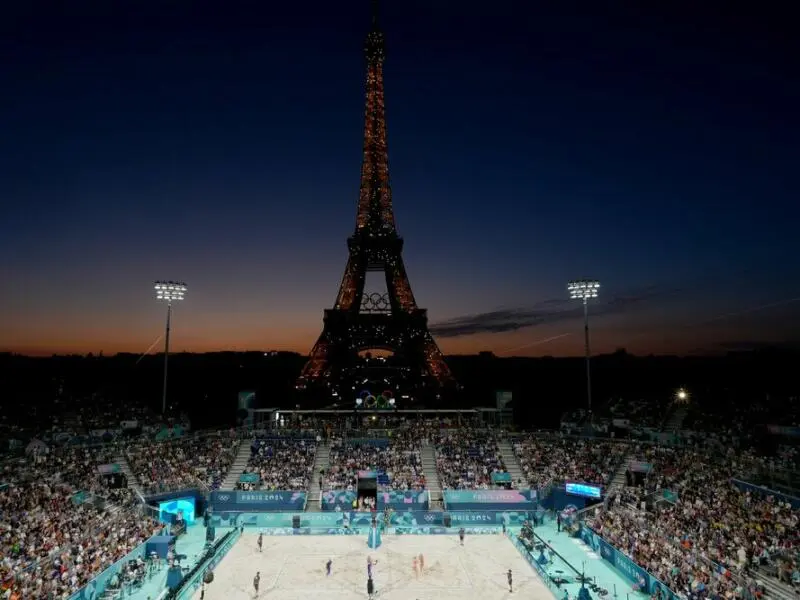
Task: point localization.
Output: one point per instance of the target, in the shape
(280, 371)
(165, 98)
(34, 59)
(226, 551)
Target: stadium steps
(512, 464)
(432, 483)
(322, 461)
(238, 466)
(774, 588)
(618, 480)
(133, 483)
(675, 419)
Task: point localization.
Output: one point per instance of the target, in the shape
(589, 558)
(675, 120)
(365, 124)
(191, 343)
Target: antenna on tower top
(375, 14)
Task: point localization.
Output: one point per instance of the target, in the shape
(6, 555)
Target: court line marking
(469, 579)
(278, 574)
(327, 592)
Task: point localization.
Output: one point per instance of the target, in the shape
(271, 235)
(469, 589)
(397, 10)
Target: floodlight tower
(169, 292)
(584, 290)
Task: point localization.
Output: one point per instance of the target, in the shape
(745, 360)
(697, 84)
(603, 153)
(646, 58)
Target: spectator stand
(467, 458)
(549, 459)
(280, 461)
(47, 526)
(184, 462)
(713, 520)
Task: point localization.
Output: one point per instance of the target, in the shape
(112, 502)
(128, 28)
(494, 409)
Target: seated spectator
(545, 459)
(53, 541)
(400, 461)
(466, 459)
(711, 523)
(281, 464)
(183, 463)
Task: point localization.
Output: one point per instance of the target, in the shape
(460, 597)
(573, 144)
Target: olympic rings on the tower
(382, 400)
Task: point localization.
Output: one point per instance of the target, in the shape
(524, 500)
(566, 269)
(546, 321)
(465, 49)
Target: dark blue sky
(655, 151)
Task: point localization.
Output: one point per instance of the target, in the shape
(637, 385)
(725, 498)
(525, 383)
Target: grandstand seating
(546, 460)
(51, 544)
(467, 457)
(53, 538)
(280, 464)
(397, 460)
(183, 462)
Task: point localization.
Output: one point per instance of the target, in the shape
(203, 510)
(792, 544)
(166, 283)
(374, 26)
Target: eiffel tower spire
(375, 214)
(360, 320)
(375, 15)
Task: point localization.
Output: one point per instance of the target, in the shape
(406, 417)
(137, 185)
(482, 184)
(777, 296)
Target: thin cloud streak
(547, 312)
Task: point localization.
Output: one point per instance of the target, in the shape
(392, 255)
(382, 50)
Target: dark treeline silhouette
(206, 385)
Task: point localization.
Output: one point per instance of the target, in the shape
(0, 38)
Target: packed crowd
(56, 531)
(547, 460)
(279, 464)
(400, 460)
(467, 457)
(711, 523)
(183, 462)
(51, 544)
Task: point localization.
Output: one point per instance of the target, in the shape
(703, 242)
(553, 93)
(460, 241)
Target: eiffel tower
(361, 321)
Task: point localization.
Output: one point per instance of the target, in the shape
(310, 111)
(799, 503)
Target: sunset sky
(656, 152)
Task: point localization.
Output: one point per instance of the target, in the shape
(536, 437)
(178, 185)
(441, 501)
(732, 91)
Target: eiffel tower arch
(360, 320)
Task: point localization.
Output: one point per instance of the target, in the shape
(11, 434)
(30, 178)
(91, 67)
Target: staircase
(618, 480)
(238, 466)
(133, 483)
(519, 481)
(675, 419)
(774, 588)
(322, 461)
(432, 483)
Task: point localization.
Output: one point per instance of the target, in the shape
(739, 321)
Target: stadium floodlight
(169, 292)
(682, 396)
(585, 290)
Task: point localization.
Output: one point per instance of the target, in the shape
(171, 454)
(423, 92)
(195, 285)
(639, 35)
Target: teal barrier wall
(543, 575)
(95, 588)
(331, 522)
(648, 582)
(489, 499)
(192, 584)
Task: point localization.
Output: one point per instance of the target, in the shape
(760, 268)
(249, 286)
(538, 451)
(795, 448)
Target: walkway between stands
(192, 544)
(581, 557)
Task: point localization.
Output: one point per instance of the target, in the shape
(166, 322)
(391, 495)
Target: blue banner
(625, 566)
(414, 500)
(745, 486)
(335, 520)
(341, 498)
(257, 501)
(498, 477)
(249, 478)
(489, 499)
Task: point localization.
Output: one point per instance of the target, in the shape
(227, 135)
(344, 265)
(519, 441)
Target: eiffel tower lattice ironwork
(360, 320)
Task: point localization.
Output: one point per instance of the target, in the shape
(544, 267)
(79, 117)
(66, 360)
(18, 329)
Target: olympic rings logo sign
(369, 400)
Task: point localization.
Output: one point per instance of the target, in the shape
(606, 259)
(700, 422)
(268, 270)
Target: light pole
(584, 289)
(168, 291)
